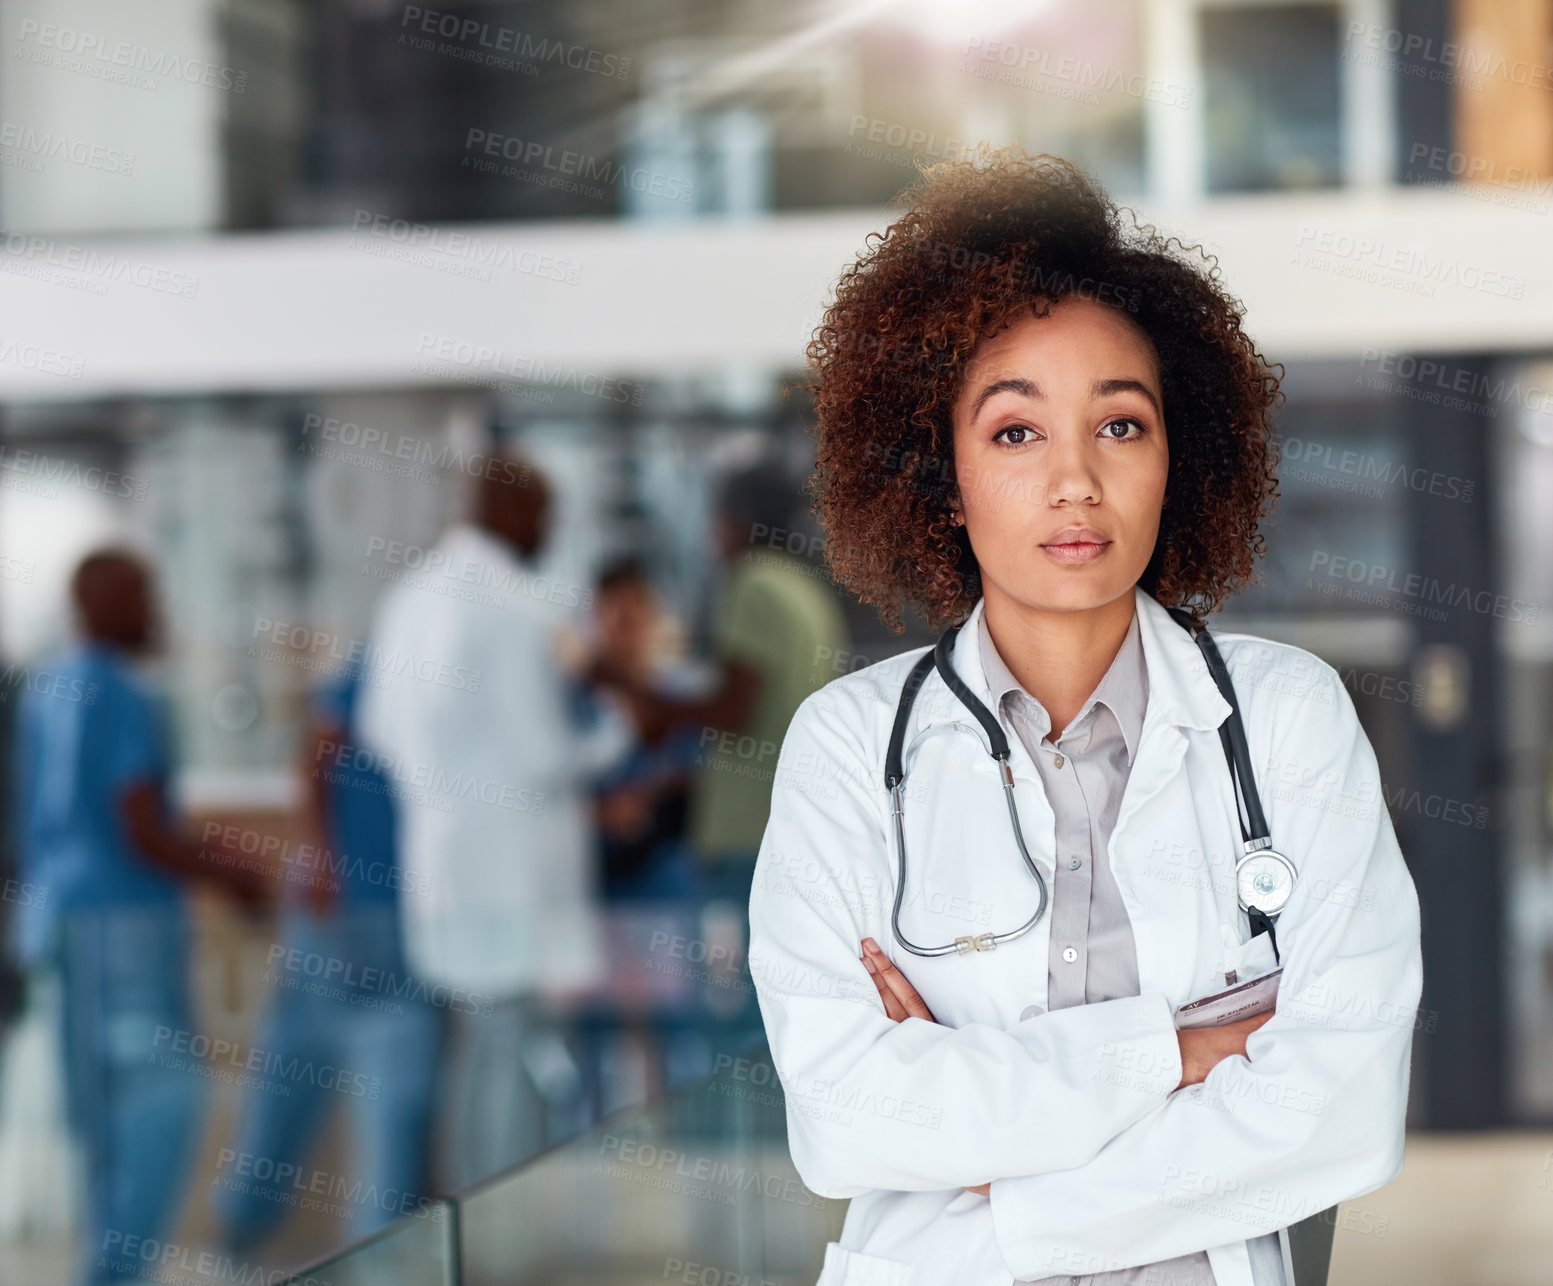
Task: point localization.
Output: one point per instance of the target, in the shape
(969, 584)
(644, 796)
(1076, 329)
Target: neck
(511, 541)
(1058, 657)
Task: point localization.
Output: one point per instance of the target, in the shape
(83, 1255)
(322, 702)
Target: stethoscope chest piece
(1264, 879)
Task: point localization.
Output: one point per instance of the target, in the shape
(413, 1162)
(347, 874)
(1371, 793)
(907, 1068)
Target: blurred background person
(777, 621)
(97, 834)
(639, 1035)
(492, 772)
(643, 801)
(776, 618)
(339, 927)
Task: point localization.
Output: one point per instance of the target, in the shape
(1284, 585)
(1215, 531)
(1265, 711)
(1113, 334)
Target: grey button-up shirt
(1093, 957)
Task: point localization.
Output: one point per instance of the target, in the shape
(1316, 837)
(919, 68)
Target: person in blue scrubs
(342, 997)
(95, 833)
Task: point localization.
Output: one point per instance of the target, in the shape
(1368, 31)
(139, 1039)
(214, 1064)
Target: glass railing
(420, 1250)
(697, 1186)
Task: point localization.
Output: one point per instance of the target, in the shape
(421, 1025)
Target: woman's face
(1058, 426)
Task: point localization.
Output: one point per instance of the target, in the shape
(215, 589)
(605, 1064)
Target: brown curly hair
(983, 239)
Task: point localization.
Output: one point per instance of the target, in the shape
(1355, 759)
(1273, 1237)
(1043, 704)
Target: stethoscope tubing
(1257, 842)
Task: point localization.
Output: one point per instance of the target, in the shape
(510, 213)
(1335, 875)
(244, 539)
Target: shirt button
(1058, 761)
(1074, 863)
(1070, 954)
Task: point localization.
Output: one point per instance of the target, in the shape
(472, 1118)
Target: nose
(1072, 477)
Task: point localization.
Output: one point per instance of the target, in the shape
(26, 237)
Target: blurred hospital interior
(341, 337)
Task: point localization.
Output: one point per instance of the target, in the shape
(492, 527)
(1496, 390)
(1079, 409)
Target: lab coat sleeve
(1315, 1115)
(382, 719)
(915, 1105)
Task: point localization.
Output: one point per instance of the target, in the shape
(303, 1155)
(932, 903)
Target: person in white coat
(465, 703)
(1051, 431)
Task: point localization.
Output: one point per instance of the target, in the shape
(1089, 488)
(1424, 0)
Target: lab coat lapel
(1182, 695)
(1170, 807)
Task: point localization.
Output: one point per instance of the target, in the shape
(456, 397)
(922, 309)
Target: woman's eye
(1127, 422)
(1016, 434)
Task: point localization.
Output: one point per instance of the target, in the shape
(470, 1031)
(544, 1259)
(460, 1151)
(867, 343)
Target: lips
(1077, 536)
(1077, 545)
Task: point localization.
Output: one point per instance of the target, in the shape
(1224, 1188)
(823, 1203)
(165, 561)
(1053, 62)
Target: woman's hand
(1203, 1047)
(900, 997)
(901, 1001)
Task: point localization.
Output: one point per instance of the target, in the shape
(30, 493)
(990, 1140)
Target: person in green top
(779, 619)
(779, 631)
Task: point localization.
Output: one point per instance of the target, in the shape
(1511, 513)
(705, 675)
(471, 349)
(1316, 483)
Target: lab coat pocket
(853, 1268)
(1245, 960)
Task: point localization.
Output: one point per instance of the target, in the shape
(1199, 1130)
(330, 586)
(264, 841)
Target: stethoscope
(1264, 877)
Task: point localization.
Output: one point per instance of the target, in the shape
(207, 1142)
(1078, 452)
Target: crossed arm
(1077, 1161)
(1201, 1049)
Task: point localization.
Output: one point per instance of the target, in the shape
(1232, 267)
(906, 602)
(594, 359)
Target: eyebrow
(1029, 388)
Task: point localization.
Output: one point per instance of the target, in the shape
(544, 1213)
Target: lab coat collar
(1181, 689)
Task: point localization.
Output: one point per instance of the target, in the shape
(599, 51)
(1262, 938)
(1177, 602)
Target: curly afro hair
(983, 239)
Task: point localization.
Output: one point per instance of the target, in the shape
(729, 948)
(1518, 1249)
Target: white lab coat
(464, 699)
(1095, 1160)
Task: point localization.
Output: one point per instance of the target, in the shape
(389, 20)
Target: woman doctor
(1052, 429)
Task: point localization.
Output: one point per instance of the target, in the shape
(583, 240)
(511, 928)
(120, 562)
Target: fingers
(886, 975)
(893, 1008)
